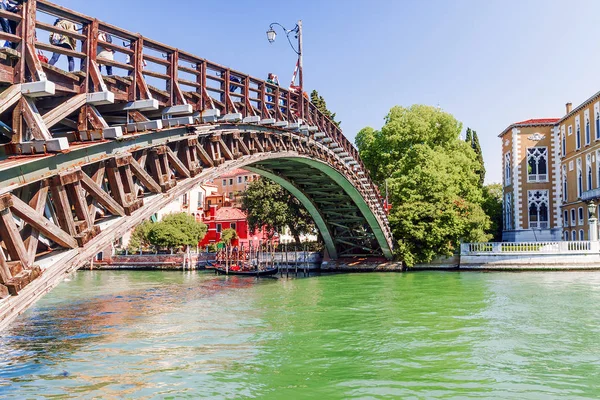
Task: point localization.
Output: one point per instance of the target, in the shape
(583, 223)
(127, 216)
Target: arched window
(564, 141)
(579, 178)
(564, 183)
(566, 236)
(574, 235)
(588, 166)
(507, 169)
(538, 209)
(537, 164)
(587, 131)
(508, 212)
(597, 125)
(580, 215)
(581, 235)
(577, 134)
(565, 218)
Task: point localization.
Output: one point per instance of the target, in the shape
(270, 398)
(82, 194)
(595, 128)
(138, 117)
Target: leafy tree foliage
(269, 205)
(473, 140)
(433, 188)
(321, 105)
(228, 235)
(139, 237)
(177, 230)
(492, 206)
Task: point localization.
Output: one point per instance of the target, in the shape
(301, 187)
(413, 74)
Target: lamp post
(297, 30)
(592, 221)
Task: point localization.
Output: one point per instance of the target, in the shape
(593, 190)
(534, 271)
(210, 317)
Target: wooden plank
(116, 185)
(76, 195)
(39, 222)
(5, 274)
(144, 177)
(34, 120)
(38, 203)
(67, 108)
(92, 187)
(62, 207)
(12, 238)
(10, 97)
(177, 164)
(59, 50)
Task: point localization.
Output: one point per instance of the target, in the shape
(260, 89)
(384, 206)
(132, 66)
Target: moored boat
(234, 270)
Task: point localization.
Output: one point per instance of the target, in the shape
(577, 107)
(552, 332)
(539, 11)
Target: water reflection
(423, 335)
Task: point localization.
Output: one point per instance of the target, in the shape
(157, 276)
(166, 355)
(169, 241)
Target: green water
(413, 335)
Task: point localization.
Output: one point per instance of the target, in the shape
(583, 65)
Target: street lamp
(297, 30)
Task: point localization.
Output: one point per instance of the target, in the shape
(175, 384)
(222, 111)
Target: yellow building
(551, 169)
(529, 154)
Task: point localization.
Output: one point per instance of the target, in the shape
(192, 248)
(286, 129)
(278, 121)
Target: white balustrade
(507, 248)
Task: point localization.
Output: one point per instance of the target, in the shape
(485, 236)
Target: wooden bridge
(87, 157)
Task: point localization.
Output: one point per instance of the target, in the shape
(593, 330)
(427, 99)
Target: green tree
(481, 170)
(431, 179)
(269, 205)
(492, 205)
(177, 230)
(473, 140)
(469, 137)
(139, 237)
(321, 105)
(228, 235)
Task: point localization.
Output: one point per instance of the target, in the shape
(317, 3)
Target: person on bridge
(7, 25)
(63, 41)
(105, 52)
(273, 80)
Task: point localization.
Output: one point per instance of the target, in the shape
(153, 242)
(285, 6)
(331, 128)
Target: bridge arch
(91, 156)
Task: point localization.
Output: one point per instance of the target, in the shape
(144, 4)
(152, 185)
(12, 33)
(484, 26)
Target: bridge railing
(509, 248)
(149, 69)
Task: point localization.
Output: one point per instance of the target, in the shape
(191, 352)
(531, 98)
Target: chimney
(569, 107)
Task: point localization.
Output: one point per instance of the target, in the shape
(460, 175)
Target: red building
(220, 218)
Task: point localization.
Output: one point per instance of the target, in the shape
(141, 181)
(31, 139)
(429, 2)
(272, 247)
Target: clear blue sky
(488, 62)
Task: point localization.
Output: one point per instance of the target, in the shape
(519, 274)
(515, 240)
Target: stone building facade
(551, 171)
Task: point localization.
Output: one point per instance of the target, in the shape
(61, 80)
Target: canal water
(153, 334)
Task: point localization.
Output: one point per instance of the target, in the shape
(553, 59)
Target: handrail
(269, 99)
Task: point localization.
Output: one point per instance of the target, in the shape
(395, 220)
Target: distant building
(551, 171)
(233, 183)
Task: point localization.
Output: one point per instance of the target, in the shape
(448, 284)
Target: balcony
(593, 194)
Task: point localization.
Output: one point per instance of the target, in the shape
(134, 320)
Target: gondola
(248, 272)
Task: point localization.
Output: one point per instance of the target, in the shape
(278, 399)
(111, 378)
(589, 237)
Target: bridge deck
(82, 148)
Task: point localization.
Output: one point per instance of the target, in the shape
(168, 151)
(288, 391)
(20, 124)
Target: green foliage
(469, 137)
(321, 105)
(212, 248)
(139, 237)
(431, 179)
(177, 230)
(473, 140)
(269, 205)
(492, 206)
(481, 170)
(228, 235)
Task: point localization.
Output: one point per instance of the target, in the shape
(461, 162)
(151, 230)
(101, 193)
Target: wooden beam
(10, 97)
(100, 195)
(204, 155)
(5, 274)
(38, 203)
(12, 238)
(34, 120)
(144, 177)
(39, 222)
(60, 200)
(116, 185)
(177, 164)
(67, 108)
